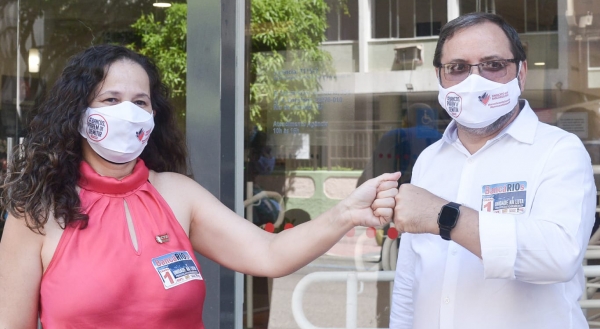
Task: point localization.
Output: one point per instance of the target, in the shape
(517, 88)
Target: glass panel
(349, 21)
(333, 18)
(342, 20)
(34, 52)
(405, 19)
(467, 6)
(382, 23)
(10, 122)
(439, 10)
(318, 130)
(423, 19)
(314, 132)
(515, 14)
(594, 54)
(430, 16)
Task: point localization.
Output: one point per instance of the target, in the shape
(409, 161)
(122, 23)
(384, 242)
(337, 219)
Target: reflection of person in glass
(103, 227)
(585, 124)
(260, 162)
(398, 149)
(498, 213)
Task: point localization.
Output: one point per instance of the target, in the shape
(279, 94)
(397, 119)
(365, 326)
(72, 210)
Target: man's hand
(417, 210)
(372, 203)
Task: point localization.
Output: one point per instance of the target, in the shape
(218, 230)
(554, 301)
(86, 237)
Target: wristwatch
(447, 219)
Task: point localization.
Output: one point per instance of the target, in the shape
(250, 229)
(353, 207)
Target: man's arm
(417, 212)
(546, 246)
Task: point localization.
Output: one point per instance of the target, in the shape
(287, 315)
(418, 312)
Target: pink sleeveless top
(97, 279)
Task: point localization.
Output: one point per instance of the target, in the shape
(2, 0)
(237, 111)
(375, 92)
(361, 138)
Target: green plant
(165, 42)
(287, 61)
(285, 36)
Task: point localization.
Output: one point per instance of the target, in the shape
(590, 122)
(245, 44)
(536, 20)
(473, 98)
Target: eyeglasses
(491, 70)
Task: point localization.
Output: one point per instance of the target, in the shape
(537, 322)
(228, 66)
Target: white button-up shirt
(533, 187)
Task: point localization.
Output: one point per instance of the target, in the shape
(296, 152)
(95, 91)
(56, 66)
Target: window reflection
(524, 16)
(37, 38)
(342, 19)
(380, 71)
(325, 111)
(408, 19)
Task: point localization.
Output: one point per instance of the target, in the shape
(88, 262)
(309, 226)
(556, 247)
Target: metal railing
(251, 199)
(352, 281)
(353, 278)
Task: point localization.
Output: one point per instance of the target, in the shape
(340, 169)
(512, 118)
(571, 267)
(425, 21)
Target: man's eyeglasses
(491, 70)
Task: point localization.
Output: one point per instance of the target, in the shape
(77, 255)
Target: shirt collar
(522, 128)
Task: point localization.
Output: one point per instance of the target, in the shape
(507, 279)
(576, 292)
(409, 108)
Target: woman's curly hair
(43, 172)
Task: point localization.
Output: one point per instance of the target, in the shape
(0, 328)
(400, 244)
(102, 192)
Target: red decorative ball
(269, 227)
(392, 233)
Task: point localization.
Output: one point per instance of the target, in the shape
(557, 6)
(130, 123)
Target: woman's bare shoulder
(183, 194)
(167, 181)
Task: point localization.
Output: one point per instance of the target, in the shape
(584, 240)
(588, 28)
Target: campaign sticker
(504, 198)
(176, 268)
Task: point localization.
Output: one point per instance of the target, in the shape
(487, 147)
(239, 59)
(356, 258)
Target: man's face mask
(118, 133)
(477, 102)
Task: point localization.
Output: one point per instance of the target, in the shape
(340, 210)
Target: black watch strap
(445, 233)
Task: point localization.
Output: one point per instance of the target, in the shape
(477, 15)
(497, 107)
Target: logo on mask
(97, 127)
(140, 134)
(485, 98)
(143, 136)
(453, 104)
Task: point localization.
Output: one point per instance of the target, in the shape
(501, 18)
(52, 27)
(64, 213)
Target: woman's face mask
(477, 102)
(118, 133)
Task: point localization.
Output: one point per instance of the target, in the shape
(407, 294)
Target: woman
(103, 223)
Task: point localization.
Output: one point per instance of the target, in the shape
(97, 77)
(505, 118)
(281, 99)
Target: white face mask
(117, 133)
(477, 102)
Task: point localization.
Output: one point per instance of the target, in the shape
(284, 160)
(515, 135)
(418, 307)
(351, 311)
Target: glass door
(342, 91)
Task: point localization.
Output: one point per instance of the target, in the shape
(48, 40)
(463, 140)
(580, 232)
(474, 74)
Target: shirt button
(453, 252)
(469, 161)
(447, 300)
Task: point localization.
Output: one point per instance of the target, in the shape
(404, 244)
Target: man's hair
(476, 18)
(44, 171)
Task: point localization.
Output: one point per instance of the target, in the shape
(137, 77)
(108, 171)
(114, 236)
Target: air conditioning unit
(407, 57)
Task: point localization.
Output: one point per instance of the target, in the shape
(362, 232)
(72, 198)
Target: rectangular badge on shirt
(176, 268)
(504, 198)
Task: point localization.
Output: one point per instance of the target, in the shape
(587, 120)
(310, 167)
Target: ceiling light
(34, 60)
(162, 4)
(539, 63)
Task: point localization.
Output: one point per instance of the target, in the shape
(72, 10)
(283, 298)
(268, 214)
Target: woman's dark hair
(44, 171)
(476, 18)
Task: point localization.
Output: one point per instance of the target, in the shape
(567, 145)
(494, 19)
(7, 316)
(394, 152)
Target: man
(499, 211)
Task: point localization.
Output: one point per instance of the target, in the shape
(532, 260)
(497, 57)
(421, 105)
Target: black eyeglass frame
(442, 67)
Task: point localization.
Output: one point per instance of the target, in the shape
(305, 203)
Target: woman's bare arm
(20, 275)
(221, 235)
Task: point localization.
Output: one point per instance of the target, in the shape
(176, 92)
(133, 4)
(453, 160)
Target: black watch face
(448, 216)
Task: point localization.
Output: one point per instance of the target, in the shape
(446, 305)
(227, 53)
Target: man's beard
(491, 129)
